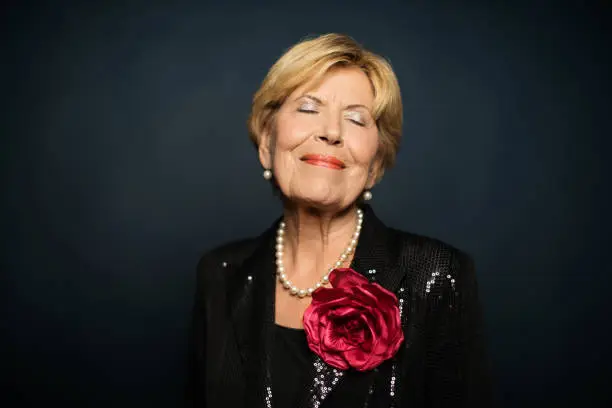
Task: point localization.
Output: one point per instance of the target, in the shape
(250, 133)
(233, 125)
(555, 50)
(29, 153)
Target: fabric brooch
(354, 324)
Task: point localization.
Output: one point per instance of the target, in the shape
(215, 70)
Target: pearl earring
(267, 174)
(367, 195)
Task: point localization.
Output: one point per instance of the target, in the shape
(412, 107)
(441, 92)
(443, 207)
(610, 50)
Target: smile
(330, 162)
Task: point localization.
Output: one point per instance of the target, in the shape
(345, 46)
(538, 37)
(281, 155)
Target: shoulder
(430, 258)
(230, 253)
(428, 248)
(214, 262)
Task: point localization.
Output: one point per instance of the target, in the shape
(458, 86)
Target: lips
(330, 162)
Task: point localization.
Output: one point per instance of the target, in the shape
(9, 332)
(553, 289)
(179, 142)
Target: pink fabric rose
(353, 324)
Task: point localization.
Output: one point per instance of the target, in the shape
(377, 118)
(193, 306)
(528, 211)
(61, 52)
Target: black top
(291, 359)
(442, 363)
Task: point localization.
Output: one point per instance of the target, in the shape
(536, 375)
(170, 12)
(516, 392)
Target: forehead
(345, 85)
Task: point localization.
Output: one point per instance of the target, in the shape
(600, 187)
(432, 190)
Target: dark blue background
(125, 155)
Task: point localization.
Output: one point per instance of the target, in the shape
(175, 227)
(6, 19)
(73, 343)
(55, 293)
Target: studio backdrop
(125, 156)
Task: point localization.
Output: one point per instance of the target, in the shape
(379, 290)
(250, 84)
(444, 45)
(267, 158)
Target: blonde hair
(308, 61)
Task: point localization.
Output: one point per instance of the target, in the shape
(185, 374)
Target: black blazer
(442, 362)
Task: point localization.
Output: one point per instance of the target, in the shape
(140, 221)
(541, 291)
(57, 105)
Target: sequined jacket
(442, 362)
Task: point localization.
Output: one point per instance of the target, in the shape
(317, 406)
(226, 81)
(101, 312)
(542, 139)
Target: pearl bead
(280, 268)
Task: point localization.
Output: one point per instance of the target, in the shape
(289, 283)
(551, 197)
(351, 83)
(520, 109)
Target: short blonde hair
(308, 61)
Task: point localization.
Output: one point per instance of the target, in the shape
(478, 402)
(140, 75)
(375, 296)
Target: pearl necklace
(280, 268)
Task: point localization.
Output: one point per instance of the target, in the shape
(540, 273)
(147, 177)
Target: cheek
(291, 131)
(364, 147)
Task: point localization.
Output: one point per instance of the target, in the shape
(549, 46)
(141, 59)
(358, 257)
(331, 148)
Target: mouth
(330, 162)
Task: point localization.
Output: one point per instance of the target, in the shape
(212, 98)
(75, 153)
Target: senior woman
(329, 307)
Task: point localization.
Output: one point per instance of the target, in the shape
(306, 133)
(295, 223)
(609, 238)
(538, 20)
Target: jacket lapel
(377, 253)
(251, 307)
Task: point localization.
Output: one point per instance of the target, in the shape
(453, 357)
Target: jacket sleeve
(457, 363)
(196, 374)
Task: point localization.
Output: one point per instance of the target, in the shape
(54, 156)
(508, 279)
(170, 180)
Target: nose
(331, 140)
(331, 134)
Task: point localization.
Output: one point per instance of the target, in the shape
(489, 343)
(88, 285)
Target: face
(323, 150)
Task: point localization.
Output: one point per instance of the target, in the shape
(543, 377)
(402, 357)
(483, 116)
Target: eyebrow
(320, 102)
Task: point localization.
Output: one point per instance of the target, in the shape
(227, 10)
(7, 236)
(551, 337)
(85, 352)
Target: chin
(318, 193)
(323, 202)
(321, 193)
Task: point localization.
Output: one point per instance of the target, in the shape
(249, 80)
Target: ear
(265, 156)
(376, 173)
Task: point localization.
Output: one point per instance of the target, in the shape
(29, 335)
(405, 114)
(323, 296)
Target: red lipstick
(330, 162)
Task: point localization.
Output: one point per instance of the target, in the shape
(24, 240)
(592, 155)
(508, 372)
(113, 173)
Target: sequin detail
(394, 382)
(268, 397)
(431, 281)
(325, 380)
(437, 277)
(452, 281)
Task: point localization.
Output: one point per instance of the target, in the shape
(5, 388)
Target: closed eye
(356, 118)
(307, 110)
(308, 107)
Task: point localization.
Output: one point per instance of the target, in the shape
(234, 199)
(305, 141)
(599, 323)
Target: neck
(314, 239)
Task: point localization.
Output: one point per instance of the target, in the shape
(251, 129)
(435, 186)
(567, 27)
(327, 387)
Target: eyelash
(307, 110)
(313, 111)
(357, 122)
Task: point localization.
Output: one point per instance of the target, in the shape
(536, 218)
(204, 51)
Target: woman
(329, 307)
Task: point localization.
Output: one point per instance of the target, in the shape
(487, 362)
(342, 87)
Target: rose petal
(370, 334)
(335, 360)
(358, 359)
(361, 335)
(345, 312)
(352, 330)
(332, 341)
(311, 320)
(325, 295)
(355, 323)
(363, 295)
(346, 277)
(382, 294)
